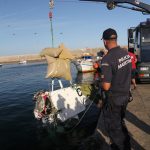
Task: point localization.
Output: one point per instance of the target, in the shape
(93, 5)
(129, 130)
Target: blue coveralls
(116, 69)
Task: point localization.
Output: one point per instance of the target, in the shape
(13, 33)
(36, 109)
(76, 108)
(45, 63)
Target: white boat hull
(85, 78)
(84, 66)
(23, 62)
(68, 103)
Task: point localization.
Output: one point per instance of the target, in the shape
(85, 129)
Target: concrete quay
(138, 118)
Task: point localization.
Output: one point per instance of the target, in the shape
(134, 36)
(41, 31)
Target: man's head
(109, 38)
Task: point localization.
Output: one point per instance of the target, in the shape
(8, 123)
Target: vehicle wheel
(138, 81)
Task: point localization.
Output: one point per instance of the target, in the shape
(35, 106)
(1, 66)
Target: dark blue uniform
(116, 69)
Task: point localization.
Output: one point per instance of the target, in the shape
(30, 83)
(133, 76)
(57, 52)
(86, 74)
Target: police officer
(116, 79)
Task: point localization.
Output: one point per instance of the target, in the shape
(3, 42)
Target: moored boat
(85, 64)
(23, 62)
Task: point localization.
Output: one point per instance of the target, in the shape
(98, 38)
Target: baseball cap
(109, 34)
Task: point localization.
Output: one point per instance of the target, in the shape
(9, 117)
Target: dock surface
(138, 118)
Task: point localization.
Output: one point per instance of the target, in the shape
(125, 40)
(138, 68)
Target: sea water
(19, 130)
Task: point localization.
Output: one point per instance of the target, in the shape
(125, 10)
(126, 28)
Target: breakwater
(33, 57)
(36, 57)
(18, 58)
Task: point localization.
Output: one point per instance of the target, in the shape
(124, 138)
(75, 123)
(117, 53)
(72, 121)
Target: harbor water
(18, 127)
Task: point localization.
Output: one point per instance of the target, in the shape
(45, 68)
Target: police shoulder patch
(102, 76)
(104, 64)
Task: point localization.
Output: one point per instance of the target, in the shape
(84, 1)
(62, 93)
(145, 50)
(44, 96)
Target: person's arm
(135, 59)
(106, 86)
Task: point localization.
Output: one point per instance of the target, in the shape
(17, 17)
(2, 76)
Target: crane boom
(143, 7)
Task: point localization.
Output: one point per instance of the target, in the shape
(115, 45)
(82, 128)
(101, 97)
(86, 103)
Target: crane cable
(51, 6)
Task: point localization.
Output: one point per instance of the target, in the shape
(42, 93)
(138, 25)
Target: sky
(25, 27)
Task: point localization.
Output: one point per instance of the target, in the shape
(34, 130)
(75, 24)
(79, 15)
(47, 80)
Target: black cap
(109, 34)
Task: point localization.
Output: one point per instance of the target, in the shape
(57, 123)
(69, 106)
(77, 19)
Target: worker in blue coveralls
(116, 80)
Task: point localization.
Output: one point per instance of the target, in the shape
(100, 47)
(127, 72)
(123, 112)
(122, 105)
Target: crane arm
(143, 7)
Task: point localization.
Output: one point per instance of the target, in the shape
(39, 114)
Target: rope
(81, 117)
